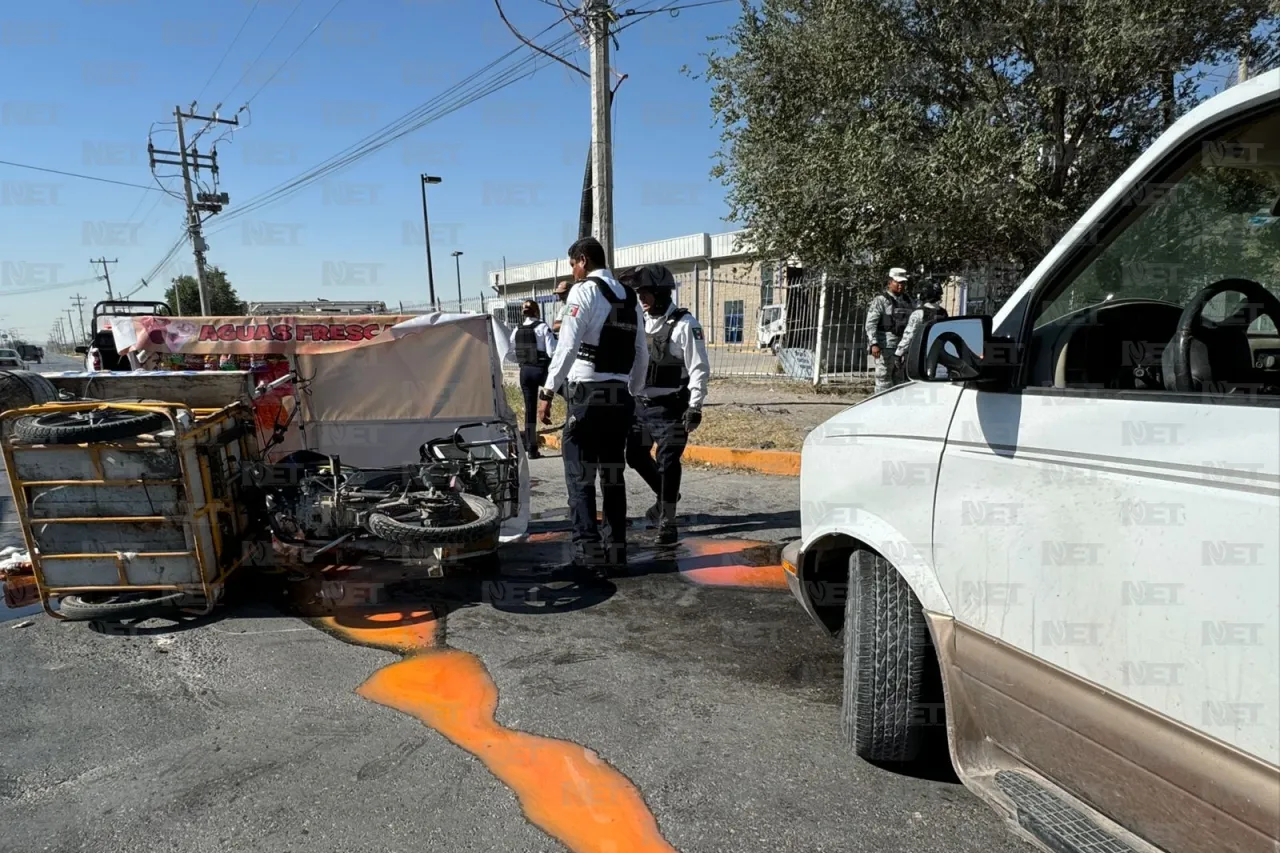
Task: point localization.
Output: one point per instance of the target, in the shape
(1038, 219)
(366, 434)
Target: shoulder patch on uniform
(697, 332)
(573, 310)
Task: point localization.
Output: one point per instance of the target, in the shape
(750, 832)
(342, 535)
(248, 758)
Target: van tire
(886, 647)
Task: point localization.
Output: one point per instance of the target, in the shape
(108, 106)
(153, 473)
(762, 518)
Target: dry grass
(745, 425)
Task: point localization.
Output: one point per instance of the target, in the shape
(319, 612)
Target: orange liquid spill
(721, 562)
(564, 789)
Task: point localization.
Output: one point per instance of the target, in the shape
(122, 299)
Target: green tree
(223, 300)
(951, 133)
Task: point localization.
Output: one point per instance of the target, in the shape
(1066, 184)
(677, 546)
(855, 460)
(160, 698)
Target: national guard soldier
(930, 309)
(601, 357)
(886, 322)
(562, 296)
(669, 406)
(532, 345)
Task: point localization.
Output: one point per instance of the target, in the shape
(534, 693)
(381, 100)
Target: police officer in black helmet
(532, 344)
(669, 407)
(601, 358)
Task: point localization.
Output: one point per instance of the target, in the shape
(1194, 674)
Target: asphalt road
(246, 733)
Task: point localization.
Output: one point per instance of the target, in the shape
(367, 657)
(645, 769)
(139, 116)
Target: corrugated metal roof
(688, 248)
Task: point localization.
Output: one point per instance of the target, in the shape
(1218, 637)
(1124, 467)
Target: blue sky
(86, 80)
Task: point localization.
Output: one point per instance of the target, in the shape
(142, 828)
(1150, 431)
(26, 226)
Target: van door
(1100, 528)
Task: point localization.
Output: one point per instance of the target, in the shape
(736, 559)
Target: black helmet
(930, 291)
(654, 277)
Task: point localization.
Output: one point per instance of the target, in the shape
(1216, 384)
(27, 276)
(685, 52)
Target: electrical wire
(45, 287)
(74, 175)
(462, 94)
(227, 53)
(309, 34)
(250, 66)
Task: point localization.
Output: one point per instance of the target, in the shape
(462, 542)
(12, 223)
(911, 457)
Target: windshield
(1217, 217)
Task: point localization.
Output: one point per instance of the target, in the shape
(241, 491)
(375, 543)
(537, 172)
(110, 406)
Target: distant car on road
(11, 360)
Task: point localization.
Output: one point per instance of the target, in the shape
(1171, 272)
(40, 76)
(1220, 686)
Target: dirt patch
(753, 415)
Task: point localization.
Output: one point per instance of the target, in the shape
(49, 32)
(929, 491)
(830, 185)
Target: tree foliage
(223, 300)
(951, 133)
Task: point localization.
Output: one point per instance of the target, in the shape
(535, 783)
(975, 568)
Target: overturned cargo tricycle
(397, 450)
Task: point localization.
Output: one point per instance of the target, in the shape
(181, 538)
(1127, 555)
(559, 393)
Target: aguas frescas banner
(251, 335)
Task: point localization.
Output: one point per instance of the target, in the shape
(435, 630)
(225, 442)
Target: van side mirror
(82, 350)
(960, 349)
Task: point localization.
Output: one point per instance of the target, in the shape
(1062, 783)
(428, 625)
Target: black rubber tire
(45, 429)
(485, 524)
(22, 388)
(886, 647)
(133, 606)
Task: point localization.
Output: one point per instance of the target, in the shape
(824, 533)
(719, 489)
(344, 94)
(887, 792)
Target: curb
(780, 463)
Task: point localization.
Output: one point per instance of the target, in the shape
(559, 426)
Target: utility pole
(196, 202)
(71, 323)
(79, 303)
(106, 275)
(426, 227)
(1246, 46)
(457, 269)
(599, 17)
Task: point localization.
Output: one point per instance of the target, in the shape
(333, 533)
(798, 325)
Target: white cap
(899, 274)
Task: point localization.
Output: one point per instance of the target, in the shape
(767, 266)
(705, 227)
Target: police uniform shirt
(546, 338)
(687, 343)
(584, 317)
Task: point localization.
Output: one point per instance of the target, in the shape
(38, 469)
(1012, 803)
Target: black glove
(692, 420)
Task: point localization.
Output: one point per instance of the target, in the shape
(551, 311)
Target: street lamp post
(426, 228)
(457, 268)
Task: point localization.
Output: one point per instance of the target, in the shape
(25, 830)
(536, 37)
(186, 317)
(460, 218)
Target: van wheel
(886, 646)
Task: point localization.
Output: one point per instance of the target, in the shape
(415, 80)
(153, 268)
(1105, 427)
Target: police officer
(532, 343)
(601, 357)
(930, 309)
(562, 296)
(669, 407)
(886, 322)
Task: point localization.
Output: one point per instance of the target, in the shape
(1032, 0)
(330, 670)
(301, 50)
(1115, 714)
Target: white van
(1076, 523)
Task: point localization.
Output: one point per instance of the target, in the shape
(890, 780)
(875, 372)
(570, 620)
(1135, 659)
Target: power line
(310, 33)
(46, 287)
(468, 91)
(75, 175)
(250, 66)
(227, 53)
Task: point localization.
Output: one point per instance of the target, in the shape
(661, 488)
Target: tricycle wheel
(85, 426)
(415, 530)
(114, 606)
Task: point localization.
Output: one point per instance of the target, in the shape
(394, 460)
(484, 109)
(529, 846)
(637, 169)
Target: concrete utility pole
(196, 202)
(106, 275)
(1246, 46)
(78, 301)
(457, 269)
(599, 16)
(426, 229)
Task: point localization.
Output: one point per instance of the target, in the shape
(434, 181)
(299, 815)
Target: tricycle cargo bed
(198, 389)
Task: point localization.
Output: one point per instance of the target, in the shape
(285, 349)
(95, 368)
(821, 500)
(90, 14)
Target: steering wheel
(1204, 354)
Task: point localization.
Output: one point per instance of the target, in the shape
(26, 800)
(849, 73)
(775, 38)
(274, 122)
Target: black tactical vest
(527, 353)
(895, 320)
(616, 351)
(666, 370)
